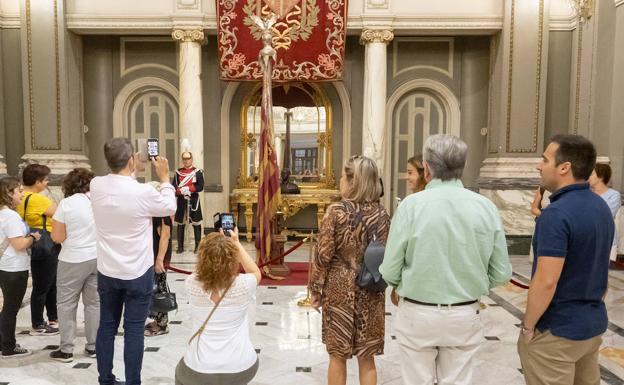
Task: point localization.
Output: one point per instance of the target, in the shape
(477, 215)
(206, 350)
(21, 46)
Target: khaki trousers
(552, 360)
(74, 279)
(438, 342)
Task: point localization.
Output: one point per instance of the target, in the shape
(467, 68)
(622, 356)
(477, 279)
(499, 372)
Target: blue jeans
(135, 296)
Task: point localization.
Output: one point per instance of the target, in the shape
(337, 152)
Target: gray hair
(445, 155)
(118, 152)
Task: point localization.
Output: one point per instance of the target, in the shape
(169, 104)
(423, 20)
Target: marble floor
(288, 341)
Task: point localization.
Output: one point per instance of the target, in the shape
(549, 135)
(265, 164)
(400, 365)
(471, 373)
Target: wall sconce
(583, 8)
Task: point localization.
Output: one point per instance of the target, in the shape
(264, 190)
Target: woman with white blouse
(15, 239)
(220, 350)
(73, 226)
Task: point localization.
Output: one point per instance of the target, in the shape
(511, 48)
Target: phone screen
(152, 148)
(227, 221)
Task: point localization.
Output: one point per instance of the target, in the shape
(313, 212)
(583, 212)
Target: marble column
(374, 112)
(98, 98)
(52, 76)
(517, 97)
(191, 113)
(191, 124)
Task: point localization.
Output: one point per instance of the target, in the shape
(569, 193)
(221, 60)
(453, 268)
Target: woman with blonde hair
(220, 350)
(415, 174)
(353, 318)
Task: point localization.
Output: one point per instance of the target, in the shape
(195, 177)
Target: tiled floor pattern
(287, 339)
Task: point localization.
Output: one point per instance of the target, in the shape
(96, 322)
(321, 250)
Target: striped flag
(269, 178)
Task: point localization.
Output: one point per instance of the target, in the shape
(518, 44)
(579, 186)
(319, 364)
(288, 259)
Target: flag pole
(269, 179)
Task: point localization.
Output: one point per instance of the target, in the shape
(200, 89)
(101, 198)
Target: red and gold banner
(269, 194)
(309, 39)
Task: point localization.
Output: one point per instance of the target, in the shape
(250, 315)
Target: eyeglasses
(187, 158)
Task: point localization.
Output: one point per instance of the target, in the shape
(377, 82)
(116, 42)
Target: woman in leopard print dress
(353, 318)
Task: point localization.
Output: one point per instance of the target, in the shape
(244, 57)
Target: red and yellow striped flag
(269, 178)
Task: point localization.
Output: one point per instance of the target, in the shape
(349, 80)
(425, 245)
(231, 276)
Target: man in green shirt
(446, 248)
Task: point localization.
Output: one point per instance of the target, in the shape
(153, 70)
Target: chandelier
(584, 9)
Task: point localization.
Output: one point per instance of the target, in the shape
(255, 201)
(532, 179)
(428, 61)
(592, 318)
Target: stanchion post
(307, 301)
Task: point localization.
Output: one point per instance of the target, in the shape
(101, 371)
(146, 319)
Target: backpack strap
(45, 228)
(26, 207)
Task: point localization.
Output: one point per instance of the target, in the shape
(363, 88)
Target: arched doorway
(416, 110)
(148, 108)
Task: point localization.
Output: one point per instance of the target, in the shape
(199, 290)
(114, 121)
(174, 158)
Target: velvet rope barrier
(293, 248)
(519, 284)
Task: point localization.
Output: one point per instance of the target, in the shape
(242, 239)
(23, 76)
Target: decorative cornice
(9, 21)
(193, 35)
(157, 24)
(376, 36)
(454, 24)
(563, 22)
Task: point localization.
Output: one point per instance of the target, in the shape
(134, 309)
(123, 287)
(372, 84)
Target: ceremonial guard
(188, 182)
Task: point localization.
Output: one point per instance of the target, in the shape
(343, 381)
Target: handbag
(369, 278)
(163, 301)
(45, 247)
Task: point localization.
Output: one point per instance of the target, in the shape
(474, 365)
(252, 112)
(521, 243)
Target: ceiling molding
(151, 24)
(426, 23)
(8, 21)
(563, 22)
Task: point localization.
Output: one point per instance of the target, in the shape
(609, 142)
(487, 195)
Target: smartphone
(227, 223)
(152, 148)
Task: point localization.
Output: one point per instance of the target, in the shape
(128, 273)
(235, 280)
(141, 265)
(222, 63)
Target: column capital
(3, 168)
(59, 164)
(376, 36)
(189, 35)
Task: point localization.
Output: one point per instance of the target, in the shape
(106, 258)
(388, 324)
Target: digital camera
(224, 221)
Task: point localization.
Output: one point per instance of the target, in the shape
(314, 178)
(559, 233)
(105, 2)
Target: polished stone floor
(287, 339)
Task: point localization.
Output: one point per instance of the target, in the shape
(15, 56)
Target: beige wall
(13, 115)
(558, 88)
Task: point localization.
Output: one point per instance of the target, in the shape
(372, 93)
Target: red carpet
(298, 276)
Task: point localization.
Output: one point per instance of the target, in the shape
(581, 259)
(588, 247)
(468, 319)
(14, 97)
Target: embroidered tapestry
(309, 39)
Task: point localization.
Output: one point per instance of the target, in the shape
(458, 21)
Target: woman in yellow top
(43, 270)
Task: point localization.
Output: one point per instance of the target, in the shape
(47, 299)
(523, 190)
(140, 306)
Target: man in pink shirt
(123, 211)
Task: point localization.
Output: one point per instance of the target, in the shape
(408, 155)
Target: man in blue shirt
(566, 315)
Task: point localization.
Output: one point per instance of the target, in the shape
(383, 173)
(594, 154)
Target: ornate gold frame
(247, 140)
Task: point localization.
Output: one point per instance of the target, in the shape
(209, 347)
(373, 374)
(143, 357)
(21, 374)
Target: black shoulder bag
(163, 300)
(369, 278)
(45, 247)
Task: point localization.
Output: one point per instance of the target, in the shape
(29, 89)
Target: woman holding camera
(15, 239)
(353, 318)
(220, 351)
